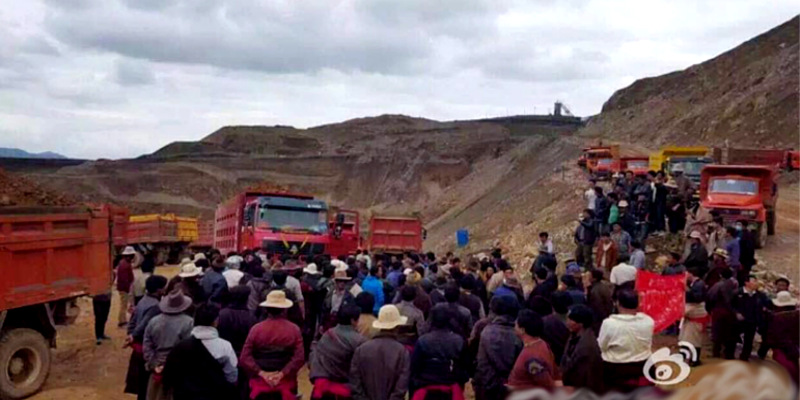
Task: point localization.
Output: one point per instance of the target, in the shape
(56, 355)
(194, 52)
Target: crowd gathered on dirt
(380, 326)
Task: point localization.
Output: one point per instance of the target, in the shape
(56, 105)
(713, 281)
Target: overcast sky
(121, 78)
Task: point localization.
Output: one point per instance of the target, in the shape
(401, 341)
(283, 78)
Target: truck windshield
(690, 168)
(737, 186)
(604, 161)
(293, 219)
(639, 164)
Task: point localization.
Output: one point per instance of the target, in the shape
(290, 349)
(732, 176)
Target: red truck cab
(742, 194)
(345, 233)
(638, 165)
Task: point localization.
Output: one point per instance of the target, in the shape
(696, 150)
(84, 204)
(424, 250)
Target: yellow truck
(659, 160)
(166, 235)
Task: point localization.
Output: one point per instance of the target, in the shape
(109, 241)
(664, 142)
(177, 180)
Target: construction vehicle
(609, 155)
(690, 166)
(638, 165)
(792, 160)
(345, 233)
(205, 236)
(659, 161)
(776, 158)
(742, 194)
(165, 235)
(395, 235)
(49, 256)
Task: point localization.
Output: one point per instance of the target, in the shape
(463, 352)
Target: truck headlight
(750, 213)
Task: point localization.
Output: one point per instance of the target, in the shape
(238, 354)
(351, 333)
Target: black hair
(598, 190)
(590, 212)
(274, 311)
(582, 315)
(468, 282)
(561, 302)
(440, 318)
(636, 244)
(550, 263)
(628, 298)
(409, 293)
(434, 268)
(605, 234)
(257, 271)
(569, 280)
(726, 273)
(201, 263)
(731, 230)
(597, 274)
(530, 322)
(420, 270)
(694, 271)
(456, 274)
(431, 256)
(347, 314)
(154, 283)
(206, 314)
(613, 196)
(374, 271)
(652, 173)
(783, 280)
(149, 265)
(365, 302)
(328, 270)
(544, 234)
(451, 293)
(751, 277)
(397, 265)
(238, 295)
(414, 257)
(504, 305)
(541, 306)
(503, 265)
(352, 272)
(279, 277)
(541, 273)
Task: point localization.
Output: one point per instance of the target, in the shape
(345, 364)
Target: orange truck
(638, 165)
(395, 235)
(777, 158)
(166, 235)
(744, 194)
(601, 162)
(49, 256)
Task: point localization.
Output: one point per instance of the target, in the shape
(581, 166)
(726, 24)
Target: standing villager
(626, 340)
(163, 332)
(606, 253)
(535, 366)
(555, 332)
(732, 246)
(613, 210)
(334, 300)
(698, 256)
(585, 237)
(409, 332)
(590, 195)
(723, 317)
(460, 318)
(749, 304)
(570, 285)
(695, 317)
(380, 368)
(273, 352)
(101, 307)
(783, 335)
(190, 282)
(747, 252)
(439, 362)
(329, 363)
(213, 283)
(468, 299)
(676, 213)
(233, 274)
(641, 214)
(546, 283)
(259, 285)
(498, 349)
(138, 376)
(202, 367)
(659, 207)
(623, 275)
(236, 320)
(600, 298)
(626, 218)
(373, 285)
(601, 210)
(125, 283)
(582, 362)
(622, 241)
(145, 270)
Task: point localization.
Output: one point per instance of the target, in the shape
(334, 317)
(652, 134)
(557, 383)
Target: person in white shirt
(622, 274)
(589, 195)
(625, 341)
(232, 274)
(545, 244)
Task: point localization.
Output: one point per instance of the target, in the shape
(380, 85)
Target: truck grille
(295, 248)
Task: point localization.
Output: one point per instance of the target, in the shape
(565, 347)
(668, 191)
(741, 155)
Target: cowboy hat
(277, 299)
(695, 235)
(186, 260)
(339, 264)
(174, 303)
(721, 252)
(311, 269)
(784, 299)
(199, 256)
(189, 270)
(341, 275)
(129, 251)
(622, 203)
(389, 318)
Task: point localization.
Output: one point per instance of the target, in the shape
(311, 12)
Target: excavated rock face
(18, 191)
(747, 96)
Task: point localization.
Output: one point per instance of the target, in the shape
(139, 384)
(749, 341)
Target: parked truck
(659, 161)
(601, 161)
(345, 232)
(205, 236)
(49, 256)
(165, 235)
(776, 158)
(742, 193)
(394, 235)
(638, 165)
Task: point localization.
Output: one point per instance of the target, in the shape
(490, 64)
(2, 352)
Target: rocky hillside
(747, 96)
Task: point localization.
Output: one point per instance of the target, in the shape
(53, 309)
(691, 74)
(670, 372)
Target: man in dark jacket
(698, 255)
(747, 252)
(749, 305)
(585, 236)
(459, 316)
(235, 320)
(723, 318)
(329, 364)
(469, 299)
(570, 286)
(213, 282)
(600, 299)
(602, 206)
(381, 367)
(556, 333)
(138, 375)
(440, 357)
(498, 350)
(546, 283)
(582, 363)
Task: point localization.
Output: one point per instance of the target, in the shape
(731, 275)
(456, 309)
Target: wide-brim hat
(311, 269)
(721, 252)
(622, 203)
(185, 261)
(339, 264)
(128, 251)
(277, 299)
(174, 303)
(341, 275)
(199, 256)
(695, 235)
(389, 318)
(189, 270)
(784, 299)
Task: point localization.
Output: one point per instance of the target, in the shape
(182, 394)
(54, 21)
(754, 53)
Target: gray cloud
(131, 73)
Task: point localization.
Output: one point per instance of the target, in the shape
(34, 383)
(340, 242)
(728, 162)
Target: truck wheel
(771, 223)
(761, 237)
(24, 363)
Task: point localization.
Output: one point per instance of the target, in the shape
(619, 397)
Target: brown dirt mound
(17, 191)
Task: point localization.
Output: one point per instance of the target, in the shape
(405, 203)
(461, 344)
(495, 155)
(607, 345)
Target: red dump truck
(638, 165)
(345, 233)
(49, 256)
(742, 193)
(395, 235)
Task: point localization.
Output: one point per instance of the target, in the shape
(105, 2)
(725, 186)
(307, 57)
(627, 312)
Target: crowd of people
(374, 326)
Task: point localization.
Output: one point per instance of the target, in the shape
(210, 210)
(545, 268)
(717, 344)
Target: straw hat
(341, 275)
(174, 303)
(695, 235)
(199, 256)
(784, 299)
(185, 261)
(389, 318)
(311, 269)
(413, 278)
(721, 252)
(189, 270)
(622, 203)
(129, 251)
(277, 299)
(339, 265)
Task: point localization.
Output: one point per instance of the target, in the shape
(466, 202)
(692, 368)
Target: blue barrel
(462, 237)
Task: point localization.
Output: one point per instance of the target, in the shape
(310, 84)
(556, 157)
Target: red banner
(663, 298)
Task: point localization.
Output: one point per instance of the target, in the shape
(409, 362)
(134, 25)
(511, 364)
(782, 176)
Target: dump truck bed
(395, 234)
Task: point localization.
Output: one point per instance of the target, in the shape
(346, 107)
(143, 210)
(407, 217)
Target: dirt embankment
(18, 191)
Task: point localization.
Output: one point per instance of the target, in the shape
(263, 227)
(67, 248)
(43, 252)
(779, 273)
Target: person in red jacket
(124, 283)
(273, 352)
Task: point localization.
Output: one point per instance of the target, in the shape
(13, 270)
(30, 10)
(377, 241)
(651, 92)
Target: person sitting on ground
(556, 333)
(380, 368)
(626, 340)
(147, 308)
(460, 317)
(163, 332)
(273, 352)
(365, 302)
(236, 320)
(536, 366)
(582, 362)
(329, 364)
(202, 367)
(439, 361)
(498, 349)
(570, 285)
